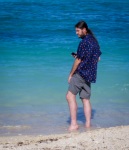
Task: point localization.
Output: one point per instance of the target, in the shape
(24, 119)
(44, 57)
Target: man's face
(80, 32)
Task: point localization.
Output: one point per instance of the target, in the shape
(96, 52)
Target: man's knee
(86, 99)
(69, 96)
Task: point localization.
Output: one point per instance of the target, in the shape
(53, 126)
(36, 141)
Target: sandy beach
(113, 138)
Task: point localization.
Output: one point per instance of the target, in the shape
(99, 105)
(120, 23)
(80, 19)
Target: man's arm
(75, 65)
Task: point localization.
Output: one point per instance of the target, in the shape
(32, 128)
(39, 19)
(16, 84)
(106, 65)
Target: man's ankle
(88, 125)
(73, 123)
(73, 127)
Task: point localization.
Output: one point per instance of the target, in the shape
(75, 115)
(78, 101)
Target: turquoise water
(36, 40)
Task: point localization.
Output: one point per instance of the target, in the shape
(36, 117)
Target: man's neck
(84, 36)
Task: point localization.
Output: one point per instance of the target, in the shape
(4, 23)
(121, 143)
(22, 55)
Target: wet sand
(113, 138)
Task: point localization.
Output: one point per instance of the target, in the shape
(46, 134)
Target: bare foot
(73, 127)
(87, 125)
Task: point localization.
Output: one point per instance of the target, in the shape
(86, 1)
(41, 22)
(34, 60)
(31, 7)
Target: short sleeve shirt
(88, 51)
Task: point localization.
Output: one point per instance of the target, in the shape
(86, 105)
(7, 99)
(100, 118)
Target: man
(82, 74)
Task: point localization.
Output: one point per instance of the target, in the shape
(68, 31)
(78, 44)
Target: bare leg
(87, 112)
(71, 98)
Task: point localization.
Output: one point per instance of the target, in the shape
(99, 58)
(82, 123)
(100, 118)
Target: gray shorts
(79, 85)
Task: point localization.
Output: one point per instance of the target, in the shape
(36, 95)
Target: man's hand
(75, 65)
(74, 55)
(69, 78)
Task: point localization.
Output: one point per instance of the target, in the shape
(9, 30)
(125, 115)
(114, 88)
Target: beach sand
(113, 138)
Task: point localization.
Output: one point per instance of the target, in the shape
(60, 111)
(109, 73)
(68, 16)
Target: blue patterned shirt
(89, 52)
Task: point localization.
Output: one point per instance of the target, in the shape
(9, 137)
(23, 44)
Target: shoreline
(103, 138)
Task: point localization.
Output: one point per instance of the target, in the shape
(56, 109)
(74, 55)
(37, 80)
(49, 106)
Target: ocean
(36, 41)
